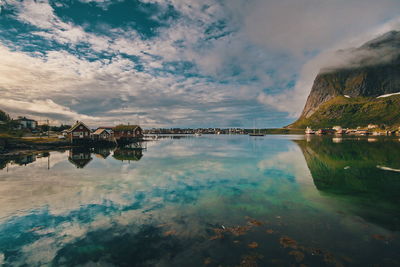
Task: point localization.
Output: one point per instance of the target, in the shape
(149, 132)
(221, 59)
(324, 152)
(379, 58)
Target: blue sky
(175, 63)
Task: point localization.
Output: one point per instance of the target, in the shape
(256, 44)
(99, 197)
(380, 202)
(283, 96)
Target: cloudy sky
(175, 63)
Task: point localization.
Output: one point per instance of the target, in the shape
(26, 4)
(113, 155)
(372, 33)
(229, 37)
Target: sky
(175, 63)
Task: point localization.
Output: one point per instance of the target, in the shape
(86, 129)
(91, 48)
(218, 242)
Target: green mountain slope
(353, 112)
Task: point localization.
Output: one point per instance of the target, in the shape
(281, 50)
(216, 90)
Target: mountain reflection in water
(362, 173)
(206, 201)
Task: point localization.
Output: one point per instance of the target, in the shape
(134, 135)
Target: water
(206, 201)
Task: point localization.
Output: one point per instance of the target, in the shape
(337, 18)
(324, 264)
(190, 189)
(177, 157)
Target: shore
(13, 146)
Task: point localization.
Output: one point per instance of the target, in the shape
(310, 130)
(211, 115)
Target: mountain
(346, 93)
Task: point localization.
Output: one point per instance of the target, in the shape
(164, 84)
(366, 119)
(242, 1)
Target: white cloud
(250, 61)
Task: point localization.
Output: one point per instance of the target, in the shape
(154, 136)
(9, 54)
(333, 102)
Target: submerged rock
(253, 245)
(288, 242)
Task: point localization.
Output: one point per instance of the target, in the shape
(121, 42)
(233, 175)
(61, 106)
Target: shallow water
(206, 201)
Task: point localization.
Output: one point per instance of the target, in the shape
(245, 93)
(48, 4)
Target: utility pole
(48, 129)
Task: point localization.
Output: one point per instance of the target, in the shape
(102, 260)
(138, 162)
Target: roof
(24, 119)
(77, 123)
(106, 127)
(100, 131)
(126, 127)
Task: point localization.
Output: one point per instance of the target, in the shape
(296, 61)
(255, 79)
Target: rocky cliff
(368, 71)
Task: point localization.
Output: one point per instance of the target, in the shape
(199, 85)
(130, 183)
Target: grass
(39, 140)
(354, 112)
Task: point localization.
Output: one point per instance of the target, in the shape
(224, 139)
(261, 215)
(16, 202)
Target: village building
(127, 132)
(79, 132)
(338, 129)
(25, 123)
(372, 126)
(102, 134)
(309, 130)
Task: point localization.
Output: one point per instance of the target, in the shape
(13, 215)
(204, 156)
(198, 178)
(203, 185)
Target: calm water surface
(206, 201)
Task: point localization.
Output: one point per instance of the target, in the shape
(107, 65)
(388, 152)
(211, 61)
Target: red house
(79, 132)
(127, 132)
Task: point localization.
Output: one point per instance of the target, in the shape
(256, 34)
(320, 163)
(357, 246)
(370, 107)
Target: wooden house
(127, 132)
(102, 134)
(79, 132)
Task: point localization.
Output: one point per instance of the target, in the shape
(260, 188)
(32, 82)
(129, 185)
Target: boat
(256, 134)
(254, 131)
(197, 134)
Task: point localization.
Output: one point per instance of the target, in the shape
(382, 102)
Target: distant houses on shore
(371, 129)
(80, 132)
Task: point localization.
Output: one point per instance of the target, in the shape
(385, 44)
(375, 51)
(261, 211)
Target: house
(26, 123)
(127, 132)
(309, 131)
(338, 129)
(102, 134)
(79, 132)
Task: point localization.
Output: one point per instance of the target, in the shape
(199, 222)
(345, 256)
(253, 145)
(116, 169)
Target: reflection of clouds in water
(109, 192)
(65, 188)
(207, 145)
(41, 252)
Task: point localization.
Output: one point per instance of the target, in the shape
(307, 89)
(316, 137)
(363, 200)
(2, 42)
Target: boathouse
(102, 134)
(128, 132)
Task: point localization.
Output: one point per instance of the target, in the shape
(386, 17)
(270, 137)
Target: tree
(4, 116)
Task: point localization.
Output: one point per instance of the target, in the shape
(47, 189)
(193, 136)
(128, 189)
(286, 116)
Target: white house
(27, 123)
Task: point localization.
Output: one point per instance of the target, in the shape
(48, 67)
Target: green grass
(354, 112)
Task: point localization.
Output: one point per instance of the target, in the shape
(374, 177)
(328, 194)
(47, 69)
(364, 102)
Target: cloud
(345, 53)
(215, 62)
(306, 25)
